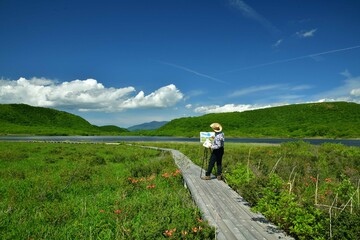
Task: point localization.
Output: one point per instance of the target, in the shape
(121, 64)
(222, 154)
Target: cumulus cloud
(84, 95)
(161, 98)
(355, 92)
(306, 34)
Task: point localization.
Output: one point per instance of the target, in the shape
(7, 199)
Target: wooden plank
(243, 213)
(223, 205)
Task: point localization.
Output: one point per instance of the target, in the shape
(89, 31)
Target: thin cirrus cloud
(254, 89)
(314, 55)
(277, 44)
(348, 91)
(248, 12)
(192, 71)
(301, 87)
(84, 95)
(306, 34)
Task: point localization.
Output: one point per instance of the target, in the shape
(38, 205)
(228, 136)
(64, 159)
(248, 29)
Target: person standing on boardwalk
(217, 152)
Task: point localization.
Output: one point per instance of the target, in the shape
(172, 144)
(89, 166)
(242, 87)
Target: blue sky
(125, 62)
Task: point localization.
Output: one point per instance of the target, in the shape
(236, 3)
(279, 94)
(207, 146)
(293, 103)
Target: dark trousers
(216, 156)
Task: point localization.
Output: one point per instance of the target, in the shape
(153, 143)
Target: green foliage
(343, 222)
(330, 120)
(281, 207)
(240, 175)
(94, 191)
(112, 129)
(25, 119)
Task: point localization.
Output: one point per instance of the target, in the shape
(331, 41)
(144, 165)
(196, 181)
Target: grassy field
(94, 191)
(87, 191)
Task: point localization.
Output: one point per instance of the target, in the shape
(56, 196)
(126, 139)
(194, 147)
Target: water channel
(113, 139)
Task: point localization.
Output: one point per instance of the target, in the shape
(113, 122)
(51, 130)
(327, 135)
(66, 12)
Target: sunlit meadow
(94, 191)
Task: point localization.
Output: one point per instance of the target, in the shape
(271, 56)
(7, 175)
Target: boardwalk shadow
(241, 200)
(260, 219)
(270, 228)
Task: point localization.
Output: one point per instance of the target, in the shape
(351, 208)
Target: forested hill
(25, 119)
(327, 120)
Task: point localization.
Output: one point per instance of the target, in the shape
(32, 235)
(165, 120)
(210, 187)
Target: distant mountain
(147, 126)
(25, 119)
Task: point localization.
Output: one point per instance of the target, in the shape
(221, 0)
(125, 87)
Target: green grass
(93, 191)
(77, 191)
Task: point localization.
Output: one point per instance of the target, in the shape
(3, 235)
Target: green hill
(112, 129)
(25, 119)
(327, 120)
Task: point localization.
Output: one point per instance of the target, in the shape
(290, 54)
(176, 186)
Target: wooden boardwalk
(222, 207)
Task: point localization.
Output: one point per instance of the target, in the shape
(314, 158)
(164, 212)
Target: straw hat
(216, 127)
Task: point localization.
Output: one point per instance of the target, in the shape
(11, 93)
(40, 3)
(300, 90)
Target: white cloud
(306, 34)
(228, 108)
(163, 97)
(355, 92)
(41, 81)
(84, 95)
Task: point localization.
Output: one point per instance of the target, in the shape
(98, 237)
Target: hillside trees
(327, 120)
